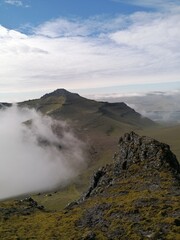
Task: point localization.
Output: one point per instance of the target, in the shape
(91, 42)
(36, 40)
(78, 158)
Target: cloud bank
(162, 107)
(33, 157)
(89, 53)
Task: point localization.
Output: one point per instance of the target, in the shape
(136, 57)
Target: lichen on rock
(143, 151)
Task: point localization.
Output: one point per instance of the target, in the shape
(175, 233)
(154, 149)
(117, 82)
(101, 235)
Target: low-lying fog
(32, 157)
(163, 107)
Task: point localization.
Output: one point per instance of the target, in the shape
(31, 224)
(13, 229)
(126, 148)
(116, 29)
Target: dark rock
(177, 222)
(145, 173)
(5, 105)
(89, 236)
(24, 207)
(135, 156)
(94, 182)
(144, 151)
(94, 216)
(71, 205)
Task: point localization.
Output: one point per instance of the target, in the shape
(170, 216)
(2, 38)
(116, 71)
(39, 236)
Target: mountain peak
(60, 92)
(87, 113)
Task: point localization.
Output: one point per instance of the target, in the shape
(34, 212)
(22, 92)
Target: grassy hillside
(85, 113)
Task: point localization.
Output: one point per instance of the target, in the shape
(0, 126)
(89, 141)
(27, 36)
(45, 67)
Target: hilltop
(135, 197)
(86, 113)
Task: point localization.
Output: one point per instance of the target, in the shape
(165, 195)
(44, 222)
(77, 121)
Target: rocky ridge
(136, 156)
(139, 192)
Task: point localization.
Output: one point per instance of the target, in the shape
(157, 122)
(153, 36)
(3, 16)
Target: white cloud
(156, 39)
(17, 3)
(76, 27)
(91, 53)
(14, 2)
(158, 106)
(33, 157)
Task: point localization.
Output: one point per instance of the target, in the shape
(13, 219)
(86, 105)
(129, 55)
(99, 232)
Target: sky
(88, 46)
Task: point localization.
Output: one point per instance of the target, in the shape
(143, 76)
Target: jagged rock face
(144, 151)
(136, 197)
(136, 156)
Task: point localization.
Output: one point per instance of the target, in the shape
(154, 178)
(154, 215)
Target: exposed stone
(24, 207)
(135, 156)
(143, 151)
(89, 236)
(141, 164)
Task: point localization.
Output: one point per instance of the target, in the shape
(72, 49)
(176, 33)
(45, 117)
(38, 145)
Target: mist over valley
(34, 158)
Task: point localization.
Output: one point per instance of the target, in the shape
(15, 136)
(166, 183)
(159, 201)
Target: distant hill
(4, 105)
(86, 113)
(135, 197)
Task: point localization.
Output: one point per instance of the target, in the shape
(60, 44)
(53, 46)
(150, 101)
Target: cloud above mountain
(100, 51)
(33, 157)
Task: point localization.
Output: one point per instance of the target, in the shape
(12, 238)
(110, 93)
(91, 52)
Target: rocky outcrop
(136, 156)
(22, 207)
(136, 197)
(144, 151)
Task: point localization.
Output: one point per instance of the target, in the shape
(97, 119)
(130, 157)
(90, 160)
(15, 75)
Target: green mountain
(99, 124)
(135, 197)
(86, 113)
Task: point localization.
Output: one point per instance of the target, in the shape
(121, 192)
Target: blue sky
(89, 46)
(14, 14)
